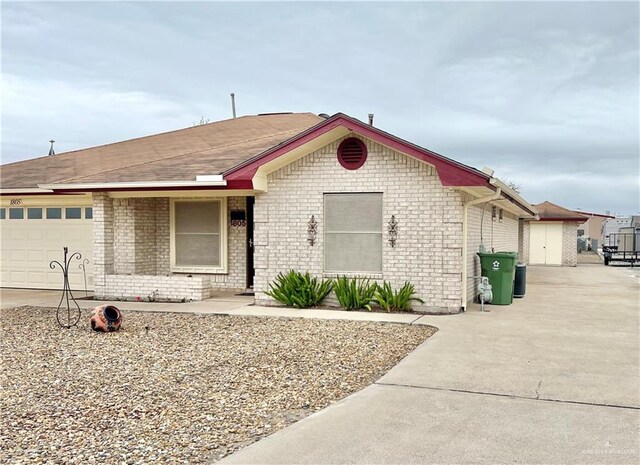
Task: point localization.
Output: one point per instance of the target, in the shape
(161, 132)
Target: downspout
(465, 211)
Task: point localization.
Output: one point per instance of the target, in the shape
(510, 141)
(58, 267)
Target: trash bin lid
(497, 254)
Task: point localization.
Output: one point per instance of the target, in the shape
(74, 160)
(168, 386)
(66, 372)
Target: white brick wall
(159, 288)
(497, 235)
(132, 248)
(569, 244)
(523, 233)
(428, 252)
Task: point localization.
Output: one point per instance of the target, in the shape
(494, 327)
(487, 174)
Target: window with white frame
(353, 233)
(198, 235)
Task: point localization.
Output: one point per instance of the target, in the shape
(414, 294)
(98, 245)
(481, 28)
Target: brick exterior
(428, 251)
(132, 251)
(497, 236)
(523, 234)
(159, 288)
(569, 244)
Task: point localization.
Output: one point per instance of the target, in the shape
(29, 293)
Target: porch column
(103, 255)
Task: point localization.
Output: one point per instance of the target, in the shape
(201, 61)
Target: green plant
(354, 293)
(398, 301)
(295, 289)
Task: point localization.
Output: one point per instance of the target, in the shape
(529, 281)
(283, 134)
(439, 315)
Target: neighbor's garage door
(31, 237)
(545, 244)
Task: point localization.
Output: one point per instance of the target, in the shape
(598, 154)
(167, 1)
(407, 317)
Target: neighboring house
(591, 230)
(188, 213)
(553, 239)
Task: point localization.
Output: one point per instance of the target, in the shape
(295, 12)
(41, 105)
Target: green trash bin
(500, 268)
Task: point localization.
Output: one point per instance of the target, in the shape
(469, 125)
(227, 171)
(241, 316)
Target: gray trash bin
(520, 281)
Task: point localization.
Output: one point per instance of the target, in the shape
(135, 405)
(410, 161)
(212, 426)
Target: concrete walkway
(552, 379)
(228, 304)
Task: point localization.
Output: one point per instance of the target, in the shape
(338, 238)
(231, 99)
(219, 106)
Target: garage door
(31, 237)
(545, 244)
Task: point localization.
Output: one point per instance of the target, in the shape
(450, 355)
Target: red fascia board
(451, 173)
(231, 185)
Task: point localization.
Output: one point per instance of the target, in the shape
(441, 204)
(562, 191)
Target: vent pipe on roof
(233, 104)
(51, 151)
(370, 119)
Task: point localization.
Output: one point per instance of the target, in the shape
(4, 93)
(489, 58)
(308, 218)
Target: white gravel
(176, 388)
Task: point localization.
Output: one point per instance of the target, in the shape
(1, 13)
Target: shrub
(354, 293)
(399, 301)
(295, 289)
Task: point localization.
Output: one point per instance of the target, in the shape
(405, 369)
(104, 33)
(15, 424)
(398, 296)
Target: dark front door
(251, 271)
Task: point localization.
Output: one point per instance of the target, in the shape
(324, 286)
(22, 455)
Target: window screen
(197, 234)
(353, 232)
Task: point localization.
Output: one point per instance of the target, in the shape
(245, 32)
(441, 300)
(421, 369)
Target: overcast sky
(546, 94)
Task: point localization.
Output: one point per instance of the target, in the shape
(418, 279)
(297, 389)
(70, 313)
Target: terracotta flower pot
(106, 318)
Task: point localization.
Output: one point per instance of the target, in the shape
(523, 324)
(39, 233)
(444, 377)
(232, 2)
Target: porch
(172, 247)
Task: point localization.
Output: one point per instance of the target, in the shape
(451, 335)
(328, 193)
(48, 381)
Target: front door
(251, 271)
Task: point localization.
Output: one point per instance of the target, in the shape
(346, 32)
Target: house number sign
(15, 202)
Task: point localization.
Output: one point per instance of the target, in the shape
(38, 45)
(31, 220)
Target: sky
(546, 94)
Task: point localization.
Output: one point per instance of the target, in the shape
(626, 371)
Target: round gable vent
(352, 153)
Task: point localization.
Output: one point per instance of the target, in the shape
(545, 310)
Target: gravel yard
(176, 388)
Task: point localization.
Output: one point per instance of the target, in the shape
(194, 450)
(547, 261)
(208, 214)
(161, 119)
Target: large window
(198, 241)
(353, 233)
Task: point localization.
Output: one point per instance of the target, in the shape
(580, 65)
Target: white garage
(553, 239)
(545, 244)
(34, 231)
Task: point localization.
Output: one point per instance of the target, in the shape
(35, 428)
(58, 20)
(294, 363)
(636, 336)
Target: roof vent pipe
(233, 104)
(51, 151)
(370, 119)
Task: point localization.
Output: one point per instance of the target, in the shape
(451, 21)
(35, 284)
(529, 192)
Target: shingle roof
(551, 212)
(171, 156)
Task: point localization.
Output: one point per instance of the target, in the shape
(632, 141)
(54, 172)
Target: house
(591, 230)
(553, 239)
(228, 205)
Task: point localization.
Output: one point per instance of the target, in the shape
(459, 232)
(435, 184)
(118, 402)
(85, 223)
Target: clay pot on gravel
(106, 318)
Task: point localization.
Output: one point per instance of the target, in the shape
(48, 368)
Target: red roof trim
(451, 173)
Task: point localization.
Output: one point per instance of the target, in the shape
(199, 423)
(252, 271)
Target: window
(73, 213)
(16, 213)
(353, 233)
(3, 213)
(54, 213)
(34, 213)
(88, 213)
(198, 241)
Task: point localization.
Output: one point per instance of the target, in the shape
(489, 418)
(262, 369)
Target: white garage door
(545, 244)
(31, 237)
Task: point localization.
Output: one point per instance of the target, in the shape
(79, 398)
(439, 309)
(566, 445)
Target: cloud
(545, 93)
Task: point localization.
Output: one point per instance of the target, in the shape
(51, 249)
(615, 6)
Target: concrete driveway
(553, 379)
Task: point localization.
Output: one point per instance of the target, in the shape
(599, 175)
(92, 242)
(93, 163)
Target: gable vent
(352, 153)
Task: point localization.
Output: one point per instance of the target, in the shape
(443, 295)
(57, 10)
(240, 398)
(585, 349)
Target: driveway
(552, 379)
